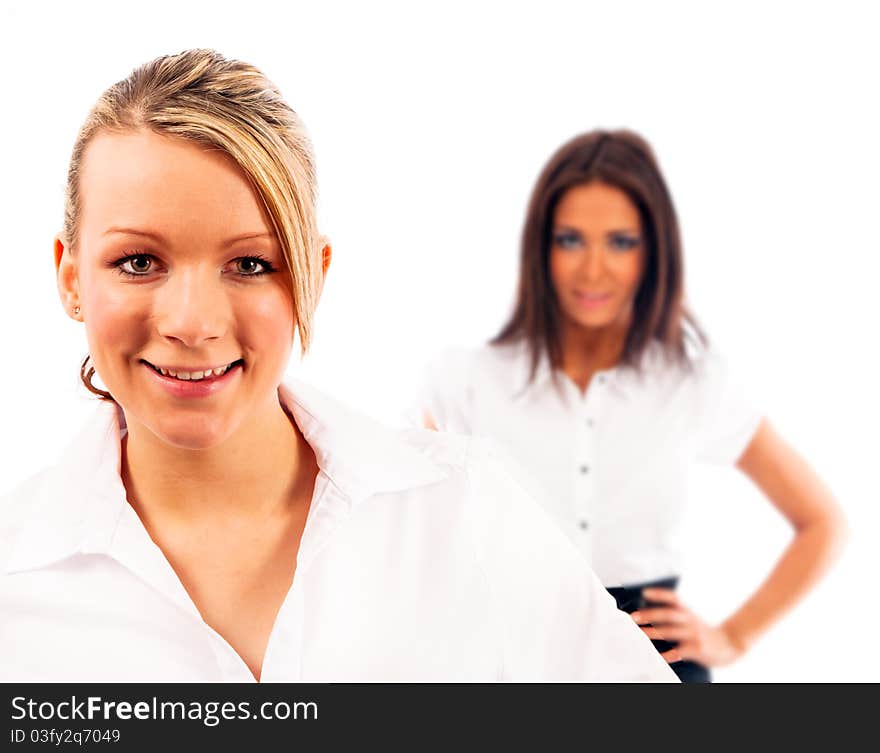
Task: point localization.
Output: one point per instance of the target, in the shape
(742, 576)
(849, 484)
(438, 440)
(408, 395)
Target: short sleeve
(555, 620)
(729, 413)
(445, 393)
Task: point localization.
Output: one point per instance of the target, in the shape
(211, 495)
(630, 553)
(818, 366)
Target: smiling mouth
(194, 376)
(592, 296)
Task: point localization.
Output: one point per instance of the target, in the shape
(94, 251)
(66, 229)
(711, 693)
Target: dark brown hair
(86, 372)
(624, 160)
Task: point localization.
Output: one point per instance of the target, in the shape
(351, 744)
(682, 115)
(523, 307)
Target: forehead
(597, 204)
(143, 178)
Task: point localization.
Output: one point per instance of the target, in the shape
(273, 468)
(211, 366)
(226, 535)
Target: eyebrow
(619, 231)
(158, 238)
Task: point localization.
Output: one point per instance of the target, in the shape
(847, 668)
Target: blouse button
(585, 469)
(589, 422)
(584, 525)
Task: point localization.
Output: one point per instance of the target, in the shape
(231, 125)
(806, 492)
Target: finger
(655, 634)
(661, 615)
(668, 633)
(660, 595)
(685, 651)
(672, 655)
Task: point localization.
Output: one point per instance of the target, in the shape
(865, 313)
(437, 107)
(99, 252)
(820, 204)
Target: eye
(253, 266)
(136, 265)
(566, 239)
(623, 242)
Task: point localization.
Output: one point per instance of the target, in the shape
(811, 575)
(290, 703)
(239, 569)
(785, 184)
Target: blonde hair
(201, 96)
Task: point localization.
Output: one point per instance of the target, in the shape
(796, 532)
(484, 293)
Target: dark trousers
(630, 599)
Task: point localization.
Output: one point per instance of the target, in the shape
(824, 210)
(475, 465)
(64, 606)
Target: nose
(592, 264)
(192, 307)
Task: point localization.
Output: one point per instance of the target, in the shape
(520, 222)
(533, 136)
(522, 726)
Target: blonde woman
(211, 523)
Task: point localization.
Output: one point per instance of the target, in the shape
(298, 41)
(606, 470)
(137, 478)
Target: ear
(67, 278)
(326, 256)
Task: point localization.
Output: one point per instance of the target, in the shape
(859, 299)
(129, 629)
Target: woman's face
(596, 255)
(177, 268)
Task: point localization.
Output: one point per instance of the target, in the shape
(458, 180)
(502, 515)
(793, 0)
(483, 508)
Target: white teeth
(195, 375)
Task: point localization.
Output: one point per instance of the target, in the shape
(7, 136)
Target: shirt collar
(521, 368)
(360, 455)
(618, 378)
(77, 503)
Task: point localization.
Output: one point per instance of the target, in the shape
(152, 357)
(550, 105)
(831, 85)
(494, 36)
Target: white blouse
(420, 560)
(610, 465)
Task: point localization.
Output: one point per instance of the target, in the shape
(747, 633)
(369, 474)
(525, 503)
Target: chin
(607, 316)
(192, 434)
(596, 321)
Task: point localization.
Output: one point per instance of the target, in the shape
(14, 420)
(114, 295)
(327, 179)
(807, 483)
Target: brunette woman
(603, 391)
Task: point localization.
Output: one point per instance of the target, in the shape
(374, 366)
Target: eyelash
(562, 239)
(266, 264)
(618, 243)
(624, 242)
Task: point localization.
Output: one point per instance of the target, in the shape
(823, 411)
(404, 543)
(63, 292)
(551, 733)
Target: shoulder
(365, 457)
(17, 504)
(478, 469)
(713, 375)
(456, 382)
(473, 461)
(707, 360)
(505, 521)
(703, 364)
(459, 361)
(476, 458)
(445, 451)
(469, 366)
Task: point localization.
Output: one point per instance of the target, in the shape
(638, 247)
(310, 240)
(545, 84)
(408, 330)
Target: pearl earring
(76, 310)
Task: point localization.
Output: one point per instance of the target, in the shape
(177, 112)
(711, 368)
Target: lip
(592, 300)
(189, 389)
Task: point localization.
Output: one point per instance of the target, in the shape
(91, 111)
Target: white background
(430, 123)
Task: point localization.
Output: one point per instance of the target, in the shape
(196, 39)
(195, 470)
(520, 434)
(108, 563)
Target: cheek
(115, 319)
(267, 321)
(562, 266)
(628, 271)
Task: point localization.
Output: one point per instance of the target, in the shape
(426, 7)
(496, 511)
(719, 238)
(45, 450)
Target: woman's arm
(820, 530)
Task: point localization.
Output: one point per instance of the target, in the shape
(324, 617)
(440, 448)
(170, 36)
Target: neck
(262, 470)
(591, 348)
